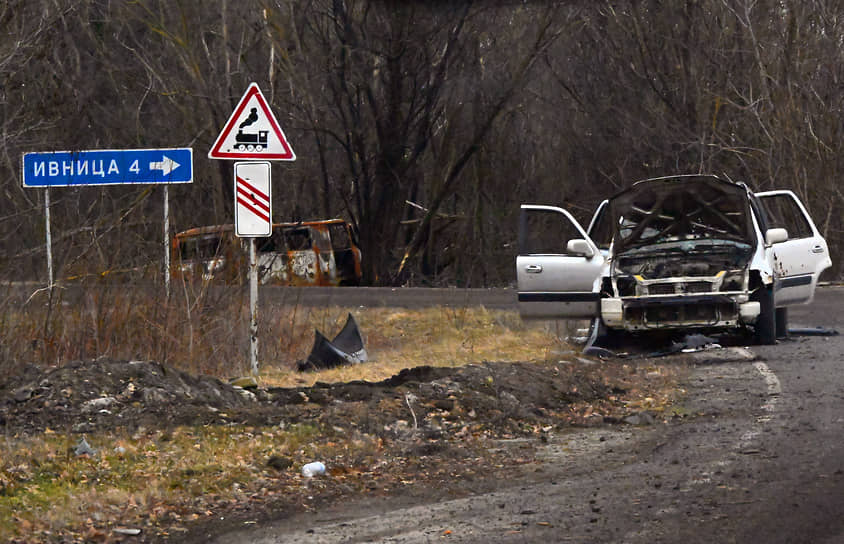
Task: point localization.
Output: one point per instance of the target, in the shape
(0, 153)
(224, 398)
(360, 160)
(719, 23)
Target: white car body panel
(556, 285)
(540, 277)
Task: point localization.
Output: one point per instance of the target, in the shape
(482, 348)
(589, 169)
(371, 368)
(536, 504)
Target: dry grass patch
(143, 480)
(398, 338)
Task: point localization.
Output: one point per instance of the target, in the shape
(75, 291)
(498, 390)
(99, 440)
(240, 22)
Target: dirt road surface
(760, 460)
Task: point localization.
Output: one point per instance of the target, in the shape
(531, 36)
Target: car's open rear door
(558, 267)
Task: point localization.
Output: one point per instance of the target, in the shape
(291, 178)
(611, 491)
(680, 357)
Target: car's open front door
(558, 266)
(801, 258)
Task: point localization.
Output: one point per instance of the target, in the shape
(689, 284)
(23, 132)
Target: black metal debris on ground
(346, 348)
(816, 331)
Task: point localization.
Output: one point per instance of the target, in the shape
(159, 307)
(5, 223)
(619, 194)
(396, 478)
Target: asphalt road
(762, 462)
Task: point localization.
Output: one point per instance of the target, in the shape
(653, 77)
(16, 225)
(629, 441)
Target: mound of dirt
(83, 396)
(498, 399)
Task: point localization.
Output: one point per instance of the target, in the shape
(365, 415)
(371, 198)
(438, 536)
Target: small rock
(593, 420)
(155, 395)
(641, 418)
(98, 404)
(509, 402)
(127, 531)
(246, 394)
(23, 394)
(83, 427)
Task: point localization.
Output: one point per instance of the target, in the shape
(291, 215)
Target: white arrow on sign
(166, 166)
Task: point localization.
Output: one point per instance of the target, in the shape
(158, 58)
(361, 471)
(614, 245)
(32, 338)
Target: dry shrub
(203, 329)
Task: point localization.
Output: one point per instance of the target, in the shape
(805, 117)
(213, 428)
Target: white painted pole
(167, 242)
(253, 307)
(49, 239)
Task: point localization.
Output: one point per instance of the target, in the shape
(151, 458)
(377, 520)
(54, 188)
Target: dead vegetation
(204, 330)
(174, 447)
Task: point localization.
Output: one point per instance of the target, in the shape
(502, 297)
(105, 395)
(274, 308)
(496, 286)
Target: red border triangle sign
(252, 132)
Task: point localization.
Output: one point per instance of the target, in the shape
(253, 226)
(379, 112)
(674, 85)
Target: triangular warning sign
(252, 132)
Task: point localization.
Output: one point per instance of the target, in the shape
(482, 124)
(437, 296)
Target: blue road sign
(107, 167)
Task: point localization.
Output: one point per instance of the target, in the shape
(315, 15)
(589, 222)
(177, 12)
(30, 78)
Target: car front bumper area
(710, 311)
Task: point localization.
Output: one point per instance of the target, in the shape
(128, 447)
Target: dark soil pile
(498, 399)
(435, 431)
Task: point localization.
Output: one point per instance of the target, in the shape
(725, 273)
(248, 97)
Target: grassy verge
(151, 481)
(156, 481)
(206, 331)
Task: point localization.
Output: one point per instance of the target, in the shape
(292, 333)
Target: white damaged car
(693, 252)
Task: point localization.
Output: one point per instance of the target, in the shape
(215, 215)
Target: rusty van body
(299, 254)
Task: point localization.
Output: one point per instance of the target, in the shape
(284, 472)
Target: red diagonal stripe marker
(253, 199)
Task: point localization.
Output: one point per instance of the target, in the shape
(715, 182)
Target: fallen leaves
(163, 480)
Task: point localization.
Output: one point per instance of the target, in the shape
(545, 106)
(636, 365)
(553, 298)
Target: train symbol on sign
(251, 142)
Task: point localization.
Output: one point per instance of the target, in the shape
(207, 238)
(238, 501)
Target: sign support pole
(167, 242)
(49, 239)
(253, 307)
(253, 134)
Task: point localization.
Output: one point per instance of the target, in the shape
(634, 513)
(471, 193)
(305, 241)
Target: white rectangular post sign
(252, 202)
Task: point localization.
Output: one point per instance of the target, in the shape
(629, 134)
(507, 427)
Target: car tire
(603, 337)
(782, 322)
(766, 324)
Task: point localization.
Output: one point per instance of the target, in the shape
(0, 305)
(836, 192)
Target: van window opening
(307, 253)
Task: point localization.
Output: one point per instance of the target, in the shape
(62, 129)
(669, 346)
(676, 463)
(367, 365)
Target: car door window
(545, 233)
(600, 230)
(783, 212)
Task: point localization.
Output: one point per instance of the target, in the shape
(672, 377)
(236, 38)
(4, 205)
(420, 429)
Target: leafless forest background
(464, 109)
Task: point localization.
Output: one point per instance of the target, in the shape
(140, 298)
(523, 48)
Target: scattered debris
(127, 531)
(695, 342)
(83, 448)
(346, 348)
(599, 352)
(812, 331)
(313, 469)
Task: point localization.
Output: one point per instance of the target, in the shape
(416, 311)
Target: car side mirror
(580, 248)
(775, 236)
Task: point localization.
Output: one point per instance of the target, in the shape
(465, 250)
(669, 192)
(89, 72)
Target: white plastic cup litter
(313, 469)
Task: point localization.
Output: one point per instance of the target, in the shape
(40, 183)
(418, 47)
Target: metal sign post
(167, 242)
(253, 308)
(108, 167)
(253, 219)
(252, 133)
(49, 239)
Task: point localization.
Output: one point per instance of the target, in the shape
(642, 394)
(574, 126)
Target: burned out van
(304, 253)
